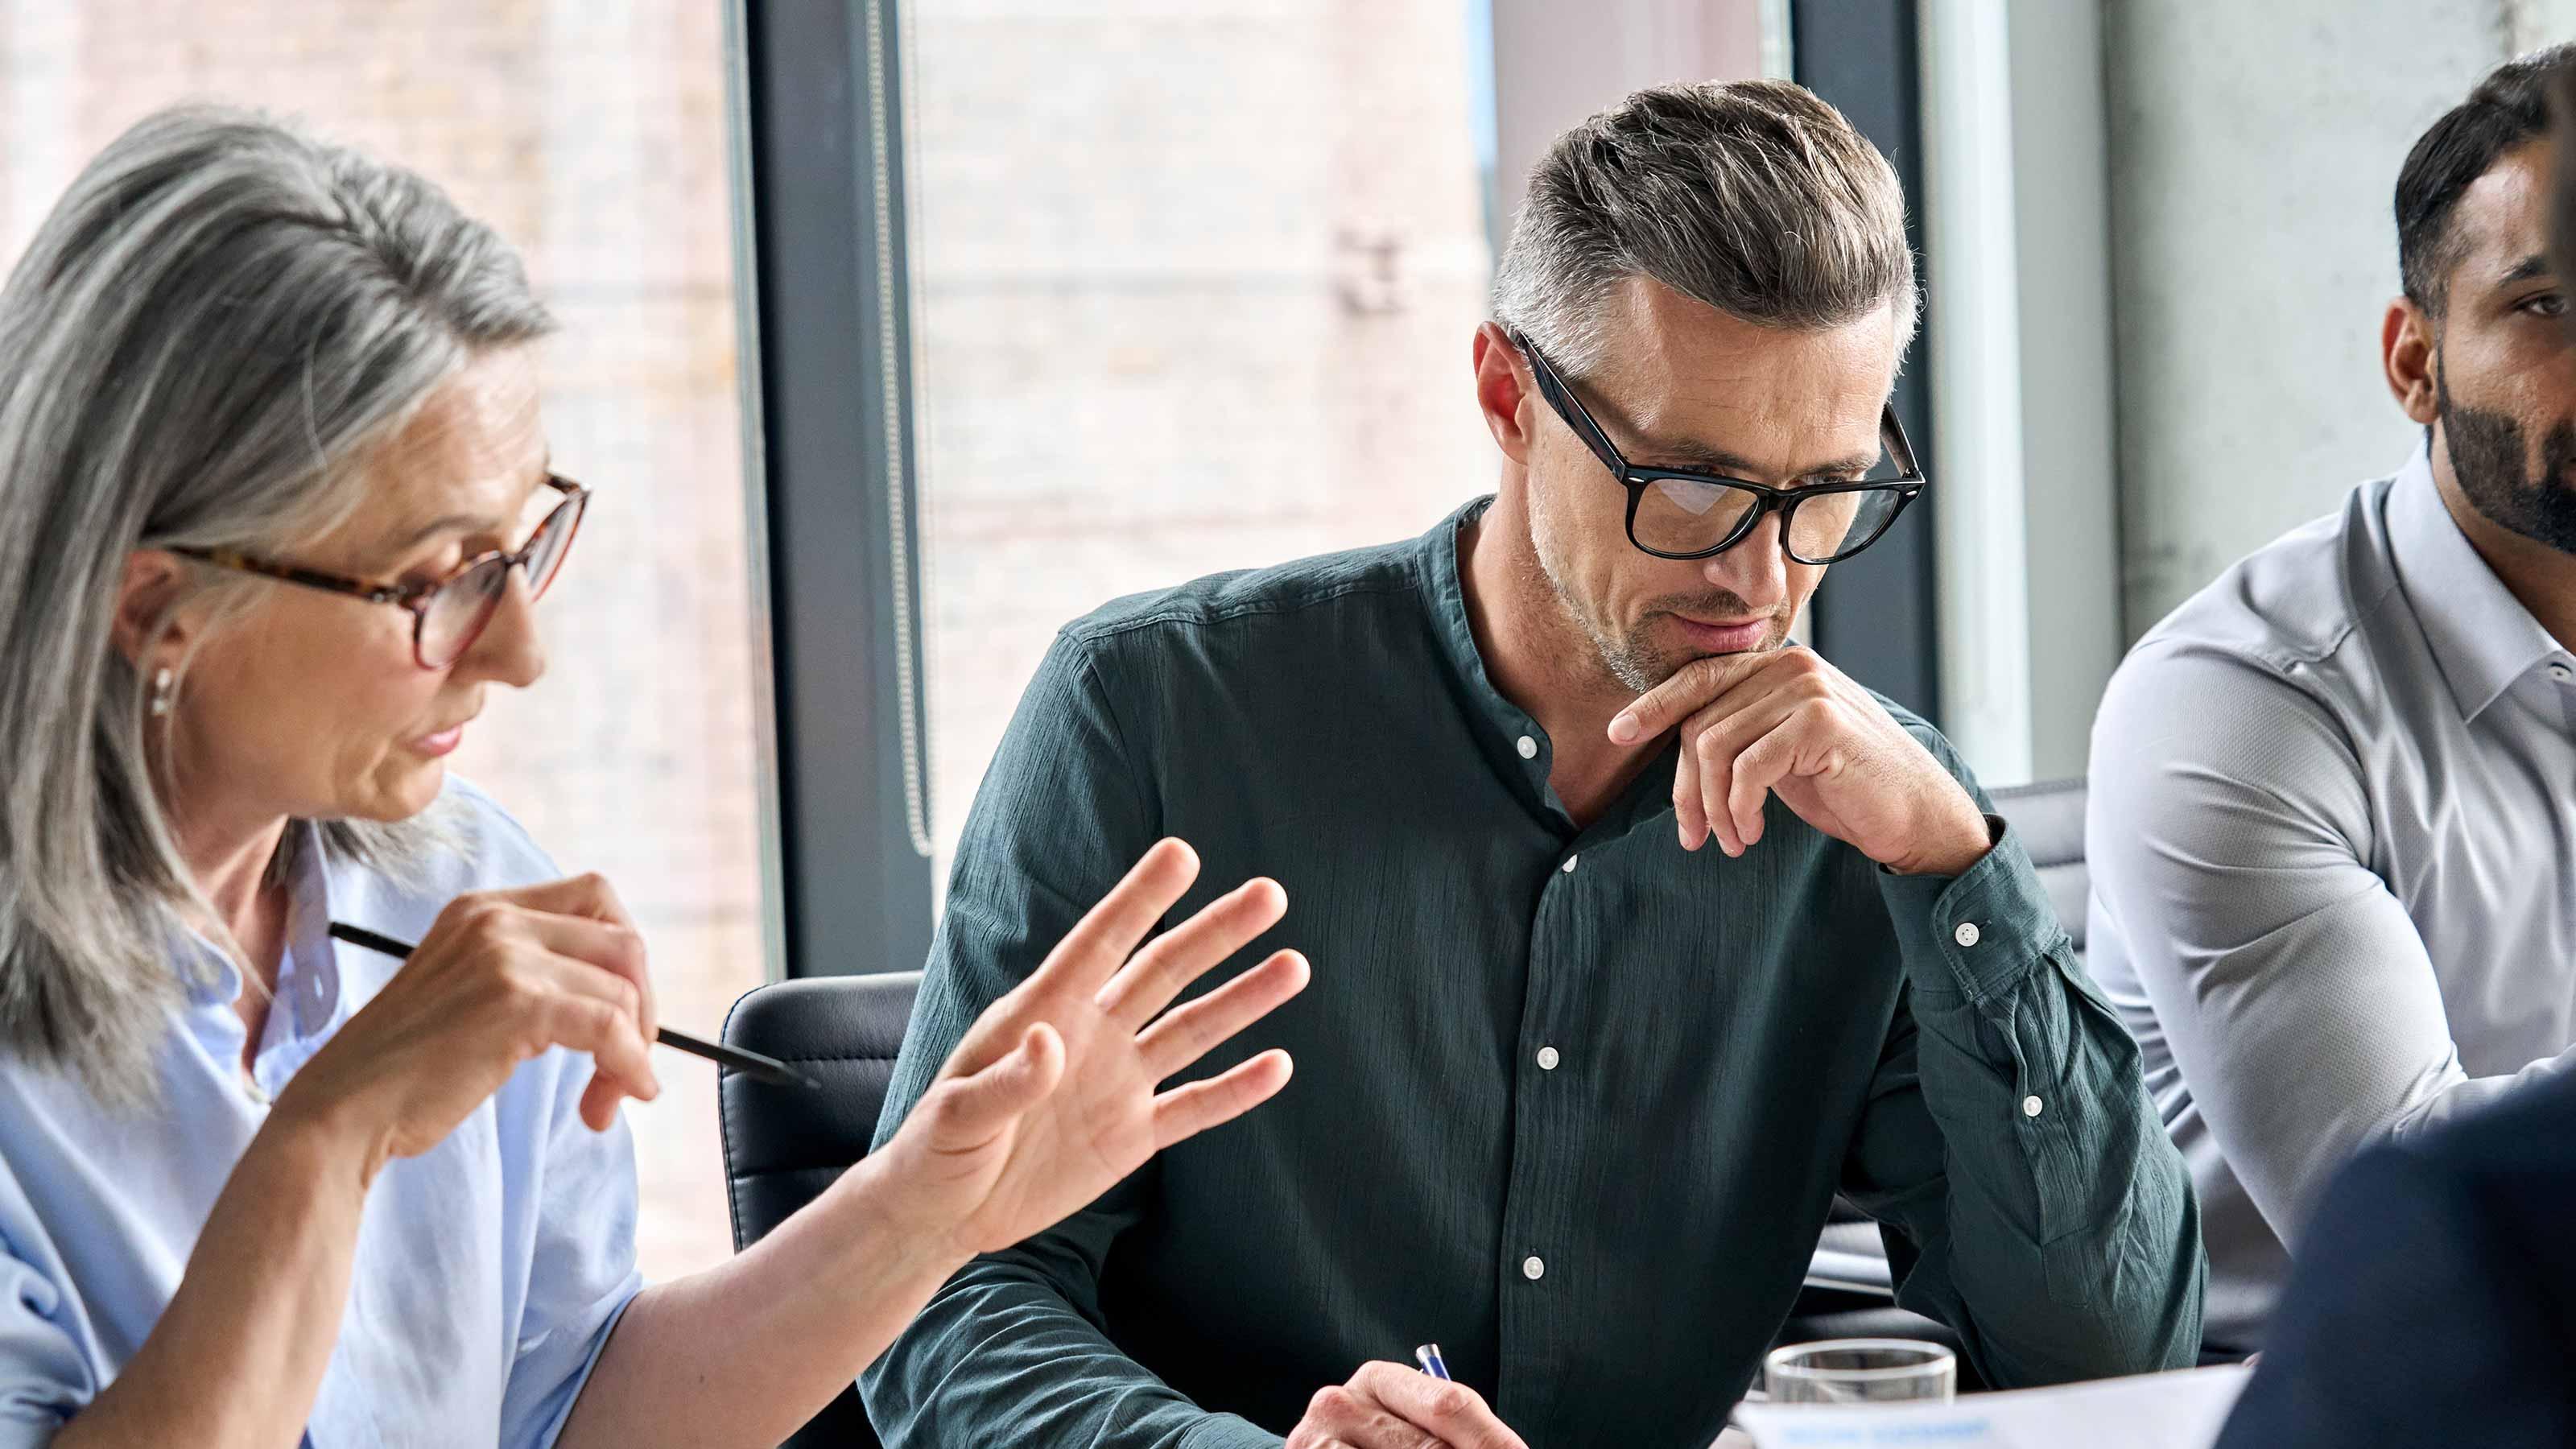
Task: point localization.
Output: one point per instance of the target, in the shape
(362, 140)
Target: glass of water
(1860, 1371)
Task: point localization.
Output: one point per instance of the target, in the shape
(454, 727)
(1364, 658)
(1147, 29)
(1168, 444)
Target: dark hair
(2509, 107)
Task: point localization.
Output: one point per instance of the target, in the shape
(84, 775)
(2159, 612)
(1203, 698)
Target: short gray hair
(1754, 197)
(204, 343)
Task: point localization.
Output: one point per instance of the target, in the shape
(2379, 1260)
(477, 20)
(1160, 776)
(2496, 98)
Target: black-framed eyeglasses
(1680, 514)
(449, 615)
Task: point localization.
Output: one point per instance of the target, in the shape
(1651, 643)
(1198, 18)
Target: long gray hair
(204, 342)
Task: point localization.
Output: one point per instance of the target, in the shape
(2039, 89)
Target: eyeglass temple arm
(1893, 432)
(1570, 408)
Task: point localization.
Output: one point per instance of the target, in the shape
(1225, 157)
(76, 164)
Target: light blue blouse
(490, 1270)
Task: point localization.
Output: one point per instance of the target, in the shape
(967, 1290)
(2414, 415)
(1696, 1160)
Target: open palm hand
(1052, 1096)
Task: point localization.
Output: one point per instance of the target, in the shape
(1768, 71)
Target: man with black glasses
(1576, 1093)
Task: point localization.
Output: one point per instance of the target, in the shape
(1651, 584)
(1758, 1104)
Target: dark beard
(2488, 457)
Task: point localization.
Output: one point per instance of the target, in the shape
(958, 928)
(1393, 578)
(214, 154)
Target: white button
(2561, 673)
(1547, 1059)
(2031, 1107)
(1528, 748)
(1568, 867)
(1533, 1269)
(1966, 935)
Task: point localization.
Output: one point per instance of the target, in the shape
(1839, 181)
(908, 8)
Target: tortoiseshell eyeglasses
(449, 615)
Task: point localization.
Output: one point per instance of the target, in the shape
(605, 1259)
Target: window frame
(829, 438)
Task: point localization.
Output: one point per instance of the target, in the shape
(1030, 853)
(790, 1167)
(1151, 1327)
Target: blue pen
(1429, 1357)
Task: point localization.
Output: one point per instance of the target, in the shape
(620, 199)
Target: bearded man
(2333, 817)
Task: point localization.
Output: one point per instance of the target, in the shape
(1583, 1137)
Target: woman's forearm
(744, 1353)
(236, 1358)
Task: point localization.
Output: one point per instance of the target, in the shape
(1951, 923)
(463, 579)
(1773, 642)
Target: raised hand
(1052, 1096)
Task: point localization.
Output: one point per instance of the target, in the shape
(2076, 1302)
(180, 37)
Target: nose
(1756, 569)
(508, 649)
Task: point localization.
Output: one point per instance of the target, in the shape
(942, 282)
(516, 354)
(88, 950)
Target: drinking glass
(1860, 1371)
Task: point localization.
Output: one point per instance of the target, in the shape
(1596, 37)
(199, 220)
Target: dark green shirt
(1573, 1103)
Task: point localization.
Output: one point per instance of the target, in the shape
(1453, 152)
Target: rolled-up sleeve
(581, 1270)
(2229, 843)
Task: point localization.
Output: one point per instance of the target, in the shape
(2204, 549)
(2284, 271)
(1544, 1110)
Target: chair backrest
(2049, 818)
(784, 1145)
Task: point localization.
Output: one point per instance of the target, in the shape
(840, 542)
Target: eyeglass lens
(1679, 516)
(458, 612)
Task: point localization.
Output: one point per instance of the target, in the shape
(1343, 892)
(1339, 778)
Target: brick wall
(1197, 287)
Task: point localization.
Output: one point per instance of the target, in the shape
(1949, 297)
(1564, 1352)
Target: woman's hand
(1050, 1099)
(501, 977)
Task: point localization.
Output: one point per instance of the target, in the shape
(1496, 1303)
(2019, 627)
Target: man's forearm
(1001, 1357)
(2075, 1243)
(2074, 1239)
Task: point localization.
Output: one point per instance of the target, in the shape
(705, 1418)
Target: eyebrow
(2535, 265)
(455, 522)
(462, 522)
(1654, 453)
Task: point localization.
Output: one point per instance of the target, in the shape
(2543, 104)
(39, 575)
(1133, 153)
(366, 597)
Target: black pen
(767, 1069)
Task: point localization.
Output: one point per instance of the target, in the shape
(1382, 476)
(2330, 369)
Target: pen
(767, 1069)
(1429, 1357)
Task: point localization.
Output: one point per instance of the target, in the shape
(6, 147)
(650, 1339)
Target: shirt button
(2561, 673)
(1568, 867)
(1967, 934)
(2032, 1106)
(1533, 1269)
(1528, 748)
(1547, 1059)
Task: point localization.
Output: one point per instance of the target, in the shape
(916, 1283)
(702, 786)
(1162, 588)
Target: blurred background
(899, 332)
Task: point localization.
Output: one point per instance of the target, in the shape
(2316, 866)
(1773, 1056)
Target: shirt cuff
(1978, 934)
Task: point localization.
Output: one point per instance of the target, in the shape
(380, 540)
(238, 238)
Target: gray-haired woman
(275, 502)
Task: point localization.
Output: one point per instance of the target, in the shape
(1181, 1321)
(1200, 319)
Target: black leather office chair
(784, 1145)
(1849, 1293)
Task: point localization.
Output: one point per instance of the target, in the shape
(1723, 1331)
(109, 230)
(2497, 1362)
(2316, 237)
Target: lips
(440, 743)
(1724, 638)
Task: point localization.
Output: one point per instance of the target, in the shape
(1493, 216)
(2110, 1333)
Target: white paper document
(2156, 1411)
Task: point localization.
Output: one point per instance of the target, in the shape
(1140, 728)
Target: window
(593, 136)
(1194, 287)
